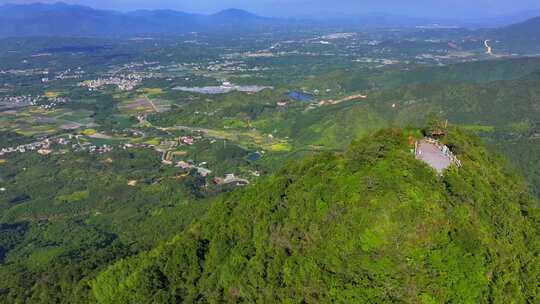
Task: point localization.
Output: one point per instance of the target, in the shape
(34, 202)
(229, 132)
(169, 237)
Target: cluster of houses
(42, 147)
(229, 63)
(336, 36)
(226, 65)
(87, 146)
(204, 172)
(168, 159)
(29, 100)
(100, 149)
(168, 155)
(126, 77)
(70, 74)
(226, 180)
(52, 103)
(124, 82)
(45, 146)
(23, 100)
(25, 72)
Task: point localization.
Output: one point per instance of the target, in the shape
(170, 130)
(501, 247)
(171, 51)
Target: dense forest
(72, 215)
(370, 225)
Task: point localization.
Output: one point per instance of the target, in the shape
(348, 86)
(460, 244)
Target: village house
(230, 179)
(44, 152)
(188, 140)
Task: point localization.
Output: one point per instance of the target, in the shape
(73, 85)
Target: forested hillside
(498, 100)
(74, 215)
(112, 153)
(370, 225)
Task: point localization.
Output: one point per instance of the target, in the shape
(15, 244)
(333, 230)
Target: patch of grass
(52, 94)
(89, 132)
(40, 258)
(123, 121)
(522, 126)
(280, 147)
(73, 197)
(36, 110)
(479, 128)
(180, 153)
(151, 91)
(234, 123)
(153, 141)
(136, 140)
(35, 130)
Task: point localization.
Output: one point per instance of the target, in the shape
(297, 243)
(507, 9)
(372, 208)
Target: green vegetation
(89, 132)
(63, 218)
(73, 197)
(369, 225)
(325, 221)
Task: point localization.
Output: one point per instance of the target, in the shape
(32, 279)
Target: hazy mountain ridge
(61, 19)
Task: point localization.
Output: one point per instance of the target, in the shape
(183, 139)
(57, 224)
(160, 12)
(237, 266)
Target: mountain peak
(235, 13)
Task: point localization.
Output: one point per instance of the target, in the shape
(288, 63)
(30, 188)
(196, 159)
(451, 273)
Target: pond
(300, 96)
(255, 156)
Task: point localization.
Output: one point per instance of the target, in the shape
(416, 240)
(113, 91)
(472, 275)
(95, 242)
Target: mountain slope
(527, 30)
(505, 112)
(371, 225)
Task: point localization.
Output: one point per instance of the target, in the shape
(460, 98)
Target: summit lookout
(438, 156)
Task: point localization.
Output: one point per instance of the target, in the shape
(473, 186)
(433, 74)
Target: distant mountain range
(62, 19)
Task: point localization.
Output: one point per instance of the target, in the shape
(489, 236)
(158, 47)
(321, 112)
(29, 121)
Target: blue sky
(439, 8)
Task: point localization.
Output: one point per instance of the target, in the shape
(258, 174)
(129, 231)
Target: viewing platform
(433, 153)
